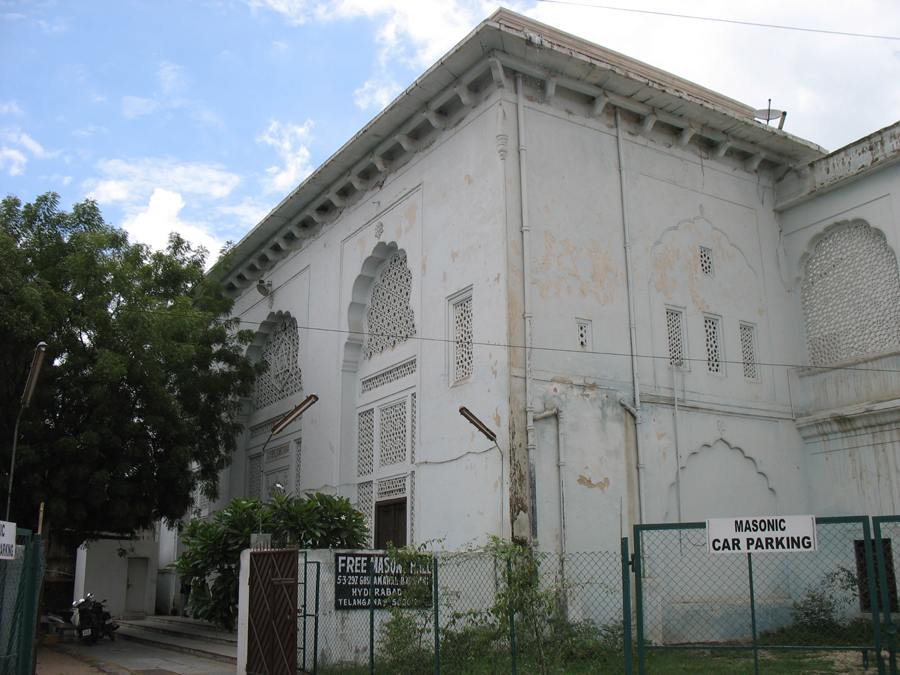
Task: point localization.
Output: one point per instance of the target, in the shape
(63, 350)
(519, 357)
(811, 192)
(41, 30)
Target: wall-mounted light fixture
(492, 437)
(477, 423)
(264, 287)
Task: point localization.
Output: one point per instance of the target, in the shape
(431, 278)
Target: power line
(716, 20)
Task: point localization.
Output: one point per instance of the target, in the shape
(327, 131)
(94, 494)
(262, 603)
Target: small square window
(706, 261)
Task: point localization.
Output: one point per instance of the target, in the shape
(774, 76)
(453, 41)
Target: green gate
(784, 612)
(887, 547)
(20, 583)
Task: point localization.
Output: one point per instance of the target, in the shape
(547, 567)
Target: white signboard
(7, 540)
(780, 534)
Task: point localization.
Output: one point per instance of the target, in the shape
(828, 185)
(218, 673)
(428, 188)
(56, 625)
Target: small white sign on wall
(779, 534)
(7, 540)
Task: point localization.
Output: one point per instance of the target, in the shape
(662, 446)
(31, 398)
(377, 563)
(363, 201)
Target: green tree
(138, 397)
(210, 563)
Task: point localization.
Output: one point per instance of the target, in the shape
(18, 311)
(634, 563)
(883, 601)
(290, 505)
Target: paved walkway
(122, 657)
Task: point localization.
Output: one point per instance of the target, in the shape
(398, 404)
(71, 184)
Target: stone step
(186, 643)
(178, 627)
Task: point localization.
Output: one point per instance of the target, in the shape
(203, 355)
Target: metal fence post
(890, 628)
(512, 619)
(316, 622)
(626, 604)
(371, 616)
(753, 614)
(437, 626)
(638, 599)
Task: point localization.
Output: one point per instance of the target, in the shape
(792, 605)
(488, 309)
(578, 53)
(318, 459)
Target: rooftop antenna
(768, 113)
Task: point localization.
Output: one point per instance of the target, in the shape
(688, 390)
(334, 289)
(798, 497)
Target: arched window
(283, 378)
(851, 296)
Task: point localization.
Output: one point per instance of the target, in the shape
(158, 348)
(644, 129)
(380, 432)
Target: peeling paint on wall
(588, 483)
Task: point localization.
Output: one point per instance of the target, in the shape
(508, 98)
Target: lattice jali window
(366, 504)
(392, 487)
(365, 462)
(712, 329)
(675, 335)
(392, 433)
(253, 477)
(298, 446)
(283, 378)
(851, 296)
(706, 261)
(390, 319)
(748, 351)
(412, 506)
(388, 376)
(584, 335)
(412, 428)
(463, 335)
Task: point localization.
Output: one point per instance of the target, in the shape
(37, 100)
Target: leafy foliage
(210, 563)
(137, 399)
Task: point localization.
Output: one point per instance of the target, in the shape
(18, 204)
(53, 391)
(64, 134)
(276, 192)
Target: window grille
(392, 433)
(392, 487)
(297, 450)
(366, 443)
(748, 350)
(714, 360)
(462, 335)
(676, 337)
(388, 376)
(366, 503)
(706, 261)
(390, 317)
(283, 378)
(253, 483)
(851, 296)
(277, 453)
(412, 506)
(412, 428)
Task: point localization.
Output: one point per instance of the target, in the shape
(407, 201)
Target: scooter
(92, 621)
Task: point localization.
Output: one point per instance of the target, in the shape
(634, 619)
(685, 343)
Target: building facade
(664, 309)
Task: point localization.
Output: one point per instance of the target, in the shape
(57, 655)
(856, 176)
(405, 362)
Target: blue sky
(201, 115)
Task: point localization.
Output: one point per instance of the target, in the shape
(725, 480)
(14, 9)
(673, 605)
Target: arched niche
(849, 289)
(719, 480)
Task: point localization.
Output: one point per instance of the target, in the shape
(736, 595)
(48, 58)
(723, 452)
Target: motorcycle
(92, 621)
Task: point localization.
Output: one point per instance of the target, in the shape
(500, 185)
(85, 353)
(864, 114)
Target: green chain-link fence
(886, 532)
(20, 582)
(504, 610)
(756, 613)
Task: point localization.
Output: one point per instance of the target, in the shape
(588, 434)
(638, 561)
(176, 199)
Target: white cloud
(376, 94)
(133, 182)
(290, 141)
(13, 160)
(88, 131)
(134, 106)
(10, 108)
(153, 225)
(249, 212)
(58, 25)
(171, 78)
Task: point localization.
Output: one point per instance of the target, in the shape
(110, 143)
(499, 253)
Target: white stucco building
(665, 309)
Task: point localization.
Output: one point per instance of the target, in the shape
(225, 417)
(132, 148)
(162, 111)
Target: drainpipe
(526, 279)
(560, 466)
(636, 409)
